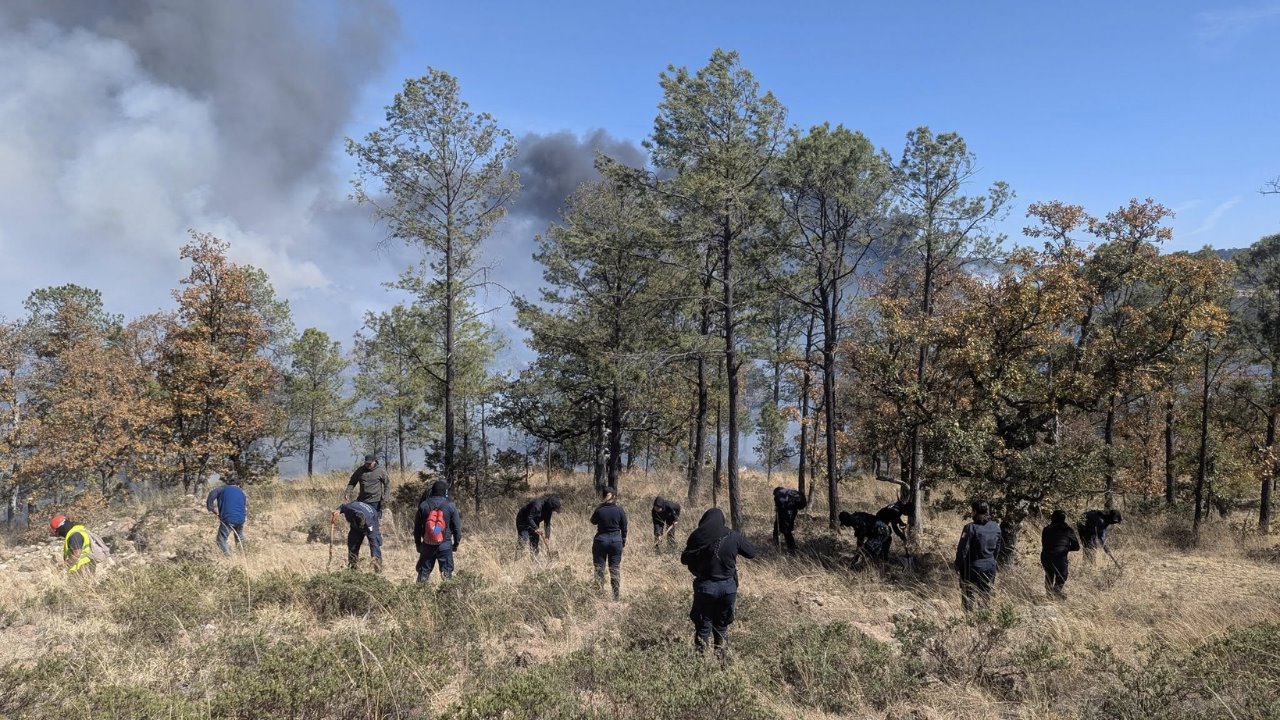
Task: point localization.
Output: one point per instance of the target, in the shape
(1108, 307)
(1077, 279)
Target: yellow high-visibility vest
(85, 550)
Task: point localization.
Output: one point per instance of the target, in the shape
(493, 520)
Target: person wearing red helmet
(77, 545)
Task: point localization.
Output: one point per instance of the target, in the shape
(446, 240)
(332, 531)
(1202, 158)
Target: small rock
(553, 626)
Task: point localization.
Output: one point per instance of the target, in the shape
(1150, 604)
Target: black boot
(615, 578)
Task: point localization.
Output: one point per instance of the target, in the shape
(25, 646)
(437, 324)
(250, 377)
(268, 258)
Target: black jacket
(610, 519)
(718, 564)
(375, 486)
(1058, 539)
(534, 513)
(979, 547)
(666, 511)
(891, 515)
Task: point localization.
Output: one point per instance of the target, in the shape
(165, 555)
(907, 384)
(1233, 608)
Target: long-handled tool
(333, 520)
(657, 542)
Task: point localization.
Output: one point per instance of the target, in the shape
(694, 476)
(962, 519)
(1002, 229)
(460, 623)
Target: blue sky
(1091, 103)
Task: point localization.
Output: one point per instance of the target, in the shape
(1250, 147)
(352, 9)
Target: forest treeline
(846, 309)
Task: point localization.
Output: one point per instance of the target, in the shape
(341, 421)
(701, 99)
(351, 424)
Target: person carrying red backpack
(437, 531)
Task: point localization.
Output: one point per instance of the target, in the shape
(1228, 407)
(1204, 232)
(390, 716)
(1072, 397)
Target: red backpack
(434, 529)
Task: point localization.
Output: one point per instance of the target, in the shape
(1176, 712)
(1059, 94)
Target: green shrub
(973, 648)
(657, 620)
(349, 593)
(156, 603)
(837, 669)
(1233, 676)
(553, 593)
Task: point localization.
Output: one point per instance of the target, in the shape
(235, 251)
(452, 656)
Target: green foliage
(656, 621)
(838, 669)
(157, 603)
(343, 593)
(1232, 676)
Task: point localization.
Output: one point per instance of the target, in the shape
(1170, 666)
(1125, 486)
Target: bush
(553, 593)
(349, 593)
(1234, 676)
(837, 669)
(657, 621)
(157, 603)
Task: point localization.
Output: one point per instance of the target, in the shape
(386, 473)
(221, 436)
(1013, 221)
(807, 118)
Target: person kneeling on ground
(711, 554)
(536, 512)
(786, 503)
(611, 537)
(1056, 541)
(437, 532)
(363, 521)
(976, 556)
(77, 545)
(872, 534)
(230, 502)
(666, 514)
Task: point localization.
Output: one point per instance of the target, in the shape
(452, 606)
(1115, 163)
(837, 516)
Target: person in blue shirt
(611, 536)
(363, 521)
(230, 507)
(437, 534)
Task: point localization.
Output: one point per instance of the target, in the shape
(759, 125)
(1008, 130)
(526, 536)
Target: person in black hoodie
(1056, 541)
(534, 513)
(437, 532)
(891, 515)
(666, 513)
(711, 554)
(871, 533)
(611, 536)
(786, 504)
(1093, 530)
(976, 556)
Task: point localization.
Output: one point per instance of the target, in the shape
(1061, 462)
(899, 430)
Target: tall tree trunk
(731, 375)
(805, 385)
(697, 447)
(1268, 478)
(829, 409)
(1108, 439)
(400, 438)
(719, 465)
(1202, 457)
(449, 293)
(615, 438)
(484, 458)
(311, 444)
(599, 470)
(1170, 484)
(917, 436)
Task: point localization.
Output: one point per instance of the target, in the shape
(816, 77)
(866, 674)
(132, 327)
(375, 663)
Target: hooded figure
(871, 534)
(1093, 530)
(711, 554)
(1056, 540)
(665, 515)
(534, 513)
(976, 556)
(611, 536)
(891, 515)
(786, 503)
(437, 532)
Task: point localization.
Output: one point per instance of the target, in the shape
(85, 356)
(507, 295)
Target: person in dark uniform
(666, 514)
(786, 504)
(534, 513)
(611, 536)
(1056, 540)
(437, 532)
(362, 520)
(976, 556)
(375, 485)
(892, 514)
(871, 534)
(711, 554)
(1093, 530)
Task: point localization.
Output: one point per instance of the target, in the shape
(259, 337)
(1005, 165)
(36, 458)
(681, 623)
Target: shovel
(333, 520)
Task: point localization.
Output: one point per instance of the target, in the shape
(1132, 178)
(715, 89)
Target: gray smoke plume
(126, 122)
(552, 166)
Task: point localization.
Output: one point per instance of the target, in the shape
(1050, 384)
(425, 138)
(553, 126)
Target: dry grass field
(175, 630)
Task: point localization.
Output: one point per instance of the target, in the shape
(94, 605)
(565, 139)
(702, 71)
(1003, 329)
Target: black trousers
(431, 555)
(714, 605)
(784, 522)
(529, 538)
(976, 586)
(608, 548)
(659, 527)
(1056, 571)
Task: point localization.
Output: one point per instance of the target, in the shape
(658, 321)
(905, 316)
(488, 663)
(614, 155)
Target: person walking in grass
(437, 532)
(977, 555)
(362, 520)
(1093, 530)
(229, 501)
(787, 502)
(1057, 540)
(375, 485)
(711, 554)
(666, 515)
(534, 513)
(611, 537)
